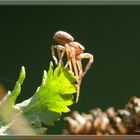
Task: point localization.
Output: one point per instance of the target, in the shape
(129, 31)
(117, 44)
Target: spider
(74, 52)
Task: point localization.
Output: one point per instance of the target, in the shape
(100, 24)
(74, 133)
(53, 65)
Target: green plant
(46, 106)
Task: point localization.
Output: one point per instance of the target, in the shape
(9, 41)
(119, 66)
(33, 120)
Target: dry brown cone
(110, 122)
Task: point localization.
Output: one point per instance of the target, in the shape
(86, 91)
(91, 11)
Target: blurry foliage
(46, 106)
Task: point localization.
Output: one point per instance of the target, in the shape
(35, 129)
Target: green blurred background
(110, 33)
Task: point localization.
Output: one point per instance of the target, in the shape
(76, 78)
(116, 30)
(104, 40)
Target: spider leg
(79, 65)
(71, 62)
(73, 58)
(68, 52)
(78, 91)
(53, 54)
(60, 54)
(66, 64)
(87, 56)
(60, 51)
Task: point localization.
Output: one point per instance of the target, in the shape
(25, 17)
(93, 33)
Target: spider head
(62, 37)
(78, 47)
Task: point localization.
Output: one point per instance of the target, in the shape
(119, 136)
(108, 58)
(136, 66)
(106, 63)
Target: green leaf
(17, 88)
(7, 104)
(48, 103)
(53, 96)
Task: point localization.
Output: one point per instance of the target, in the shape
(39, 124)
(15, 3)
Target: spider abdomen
(62, 37)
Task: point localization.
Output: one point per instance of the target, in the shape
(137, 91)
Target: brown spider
(75, 53)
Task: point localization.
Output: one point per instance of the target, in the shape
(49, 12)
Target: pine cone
(79, 124)
(110, 122)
